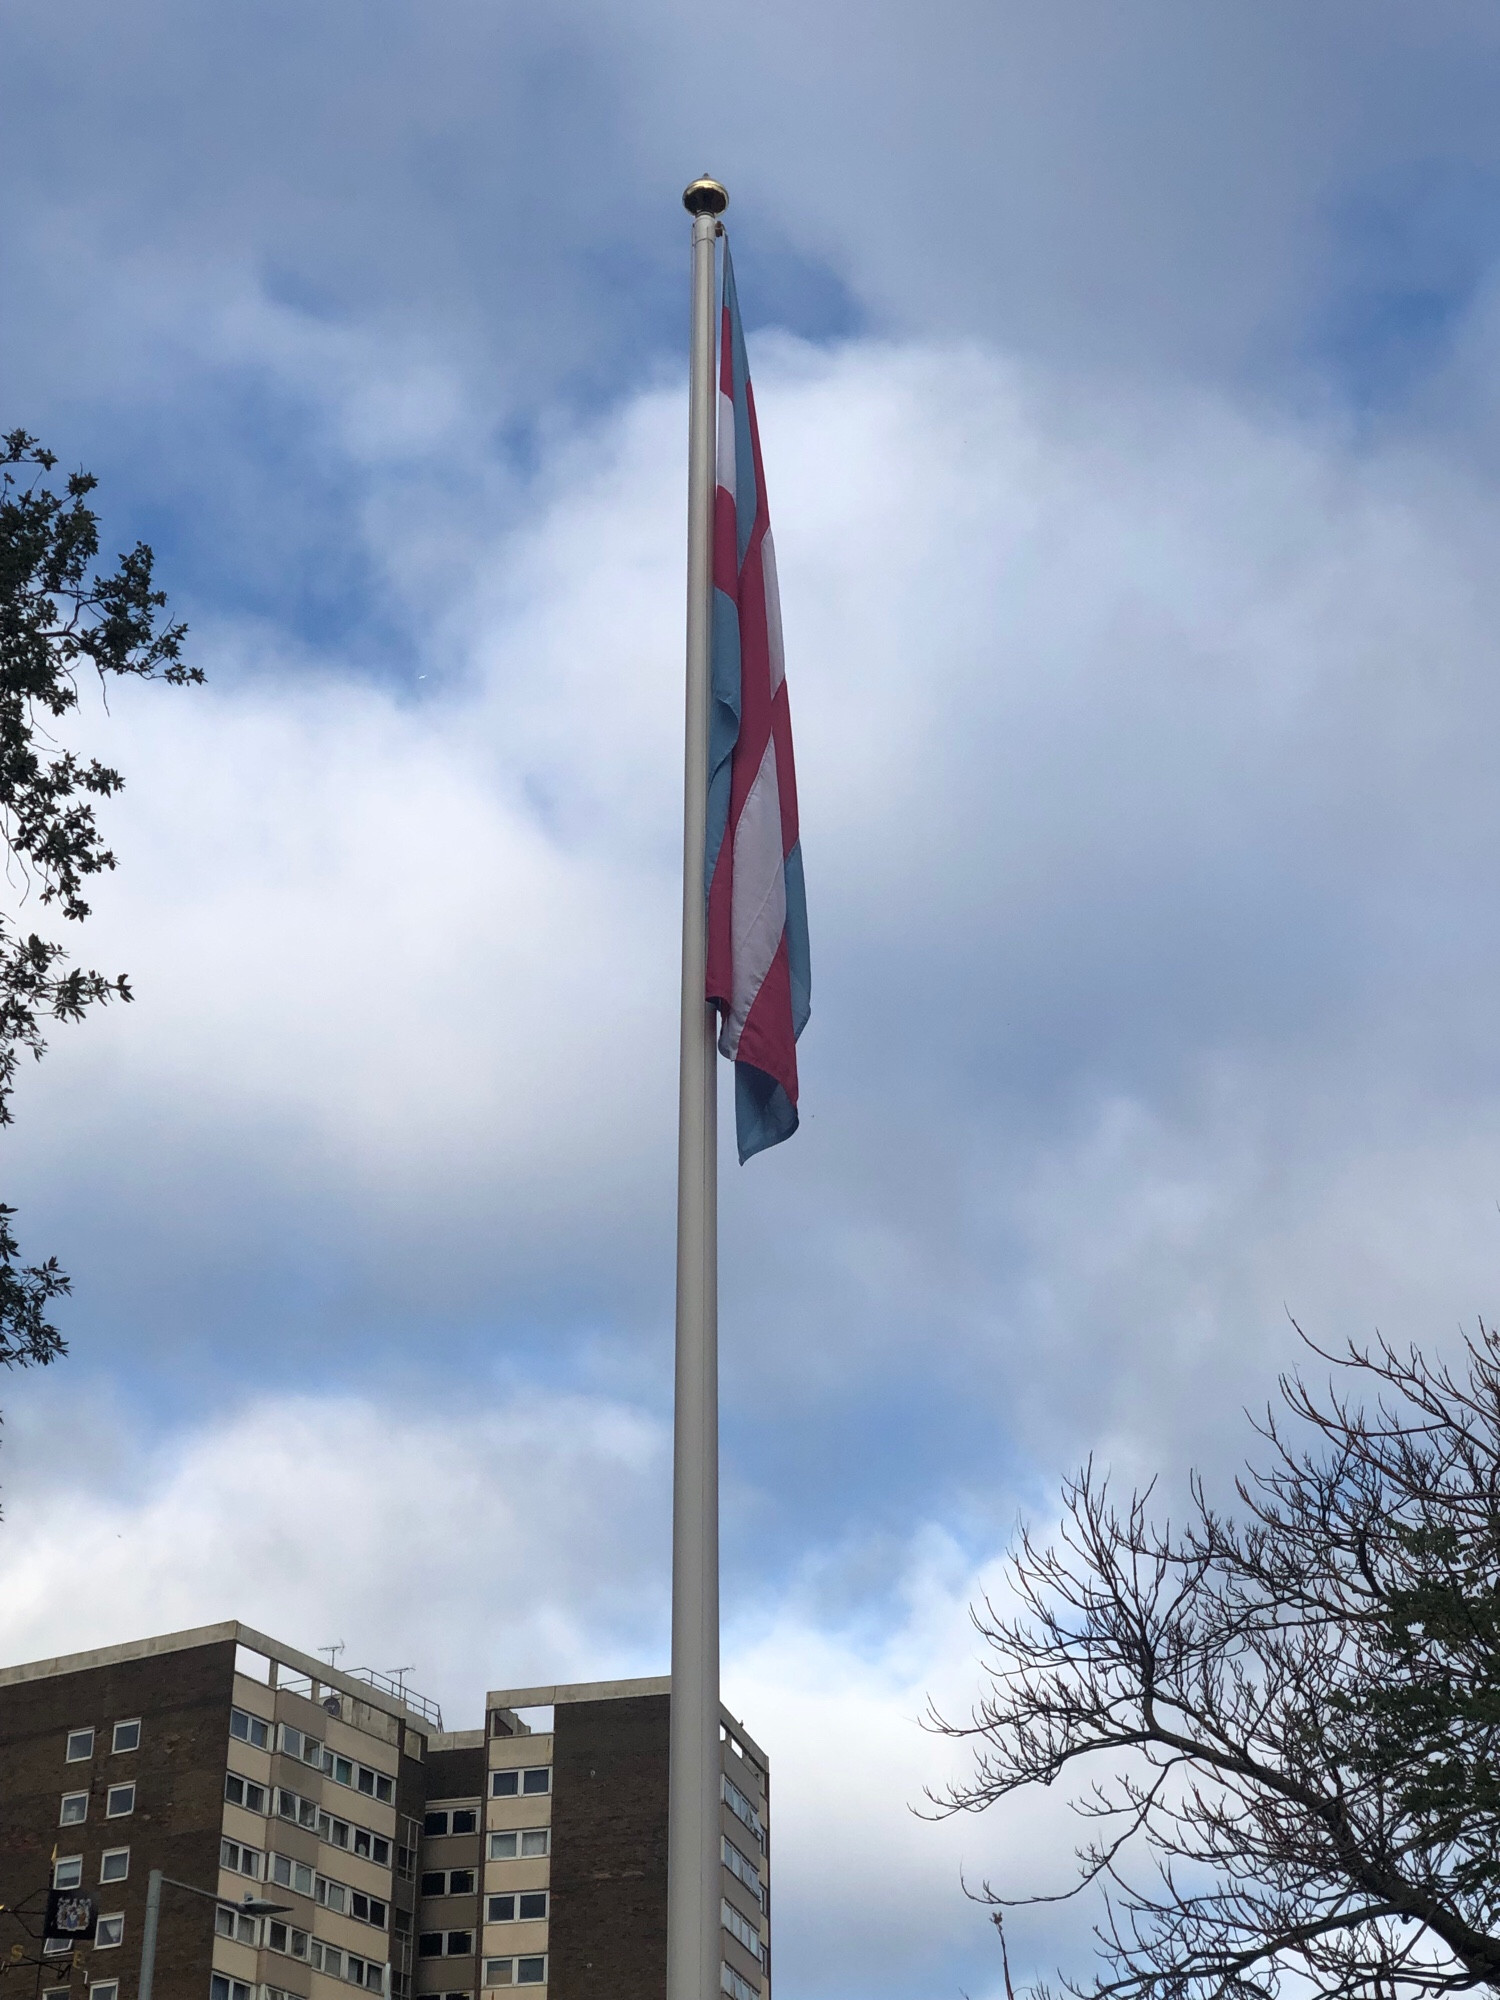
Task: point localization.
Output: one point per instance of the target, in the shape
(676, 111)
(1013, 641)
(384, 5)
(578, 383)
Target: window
(731, 1983)
(221, 1988)
(119, 1801)
(75, 1809)
(240, 1859)
(339, 1833)
(344, 1771)
(430, 1944)
(232, 1923)
(742, 1809)
(287, 1938)
(99, 1989)
(80, 1745)
(64, 1993)
(523, 1907)
(519, 1972)
(297, 1743)
(508, 1784)
(459, 1820)
(743, 1870)
(742, 1931)
(291, 1874)
(250, 1729)
(292, 1806)
(114, 1864)
(109, 1931)
(245, 1792)
(67, 1871)
(366, 1909)
(127, 1736)
(448, 1882)
(529, 1840)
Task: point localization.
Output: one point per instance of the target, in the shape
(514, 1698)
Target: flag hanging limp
(759, 976)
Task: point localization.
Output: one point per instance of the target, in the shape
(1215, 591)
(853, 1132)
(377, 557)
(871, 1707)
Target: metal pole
(693, 1805)
(148, 1934)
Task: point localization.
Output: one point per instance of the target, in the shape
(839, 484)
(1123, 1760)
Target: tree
(55, 615)
(1283, 1726)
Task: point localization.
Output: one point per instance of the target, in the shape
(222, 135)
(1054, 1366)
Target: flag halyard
(758, 971)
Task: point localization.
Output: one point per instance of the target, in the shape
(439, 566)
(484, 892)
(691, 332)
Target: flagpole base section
(705, 197)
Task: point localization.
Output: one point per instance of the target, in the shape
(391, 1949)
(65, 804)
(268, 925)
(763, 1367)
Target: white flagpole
(693, 1954)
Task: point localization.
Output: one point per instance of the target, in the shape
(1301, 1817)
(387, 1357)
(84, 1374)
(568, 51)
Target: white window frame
(247, 1785)
(241, 1849)
(514, 1896)
(236, 1925)
(518, 1788)
(224, 1986)
(65, 1818)
(252, 1724)
(72, 1756)
(111, 1811)
(118, 1749)
(109, 1917)
(106, 1989)
(109, 1854)
(744, 1870)
(735, 1984)
(68, 1861)
(520, 1835)
(511, 1976)
(740, 1928)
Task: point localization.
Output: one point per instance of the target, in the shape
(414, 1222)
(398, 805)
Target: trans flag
(759, 976)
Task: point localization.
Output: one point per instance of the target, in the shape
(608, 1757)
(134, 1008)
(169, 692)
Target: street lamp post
(252, 1906)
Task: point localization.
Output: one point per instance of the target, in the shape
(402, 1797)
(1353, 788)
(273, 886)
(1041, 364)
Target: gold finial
(705, 196)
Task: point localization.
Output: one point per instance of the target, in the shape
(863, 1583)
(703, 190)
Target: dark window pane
(465, 1822)
(434, 1883)
(534, 1905)
(536, 1781)
(461, 1881)
(504, 1784)
(530, 1971)
(460, 1943)
(435, 1823)
(502, 1909)
(430, 1944)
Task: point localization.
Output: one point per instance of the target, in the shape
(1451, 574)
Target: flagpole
(693, 1801)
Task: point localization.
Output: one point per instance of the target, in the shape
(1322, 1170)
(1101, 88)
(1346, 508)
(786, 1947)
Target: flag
(758, 971)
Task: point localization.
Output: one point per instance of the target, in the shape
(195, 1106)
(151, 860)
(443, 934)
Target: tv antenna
(333, 1652)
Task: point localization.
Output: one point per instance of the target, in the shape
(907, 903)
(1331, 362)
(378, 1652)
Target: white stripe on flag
(773, 611)
(724, 460)
(757, 908)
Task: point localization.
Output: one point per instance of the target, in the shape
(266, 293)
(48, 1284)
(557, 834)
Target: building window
(518, 1972)
(67, 1871)
(531, 1971)
(737, 1988)
(127, 1736)
(250, 1729)
(742, 1809)
(119, 1801)
(297, 1743)
(99, 1989)
(232, 1923)
(448, 1882)
(65, 1992)
(529, 1840)
(75, 1809)
(220, 1988)
(460, 1819)
(366, 1909)
(742, 1931)
(245, 1792)
(440, 1944)
(240, 1859)
(291, 1874)
(109, 1931)
(80, 1745)
(525, 1906)
(287, 1938)
(529, 1784)
(114, 1864)
(743, 1870)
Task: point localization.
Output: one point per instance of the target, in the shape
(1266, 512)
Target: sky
(1131, 415)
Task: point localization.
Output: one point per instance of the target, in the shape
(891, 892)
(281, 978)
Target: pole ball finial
(705, 197)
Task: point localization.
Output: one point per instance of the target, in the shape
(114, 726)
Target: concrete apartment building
(406, 1859)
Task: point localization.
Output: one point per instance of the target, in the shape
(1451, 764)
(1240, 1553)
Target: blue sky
(1132, 435)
